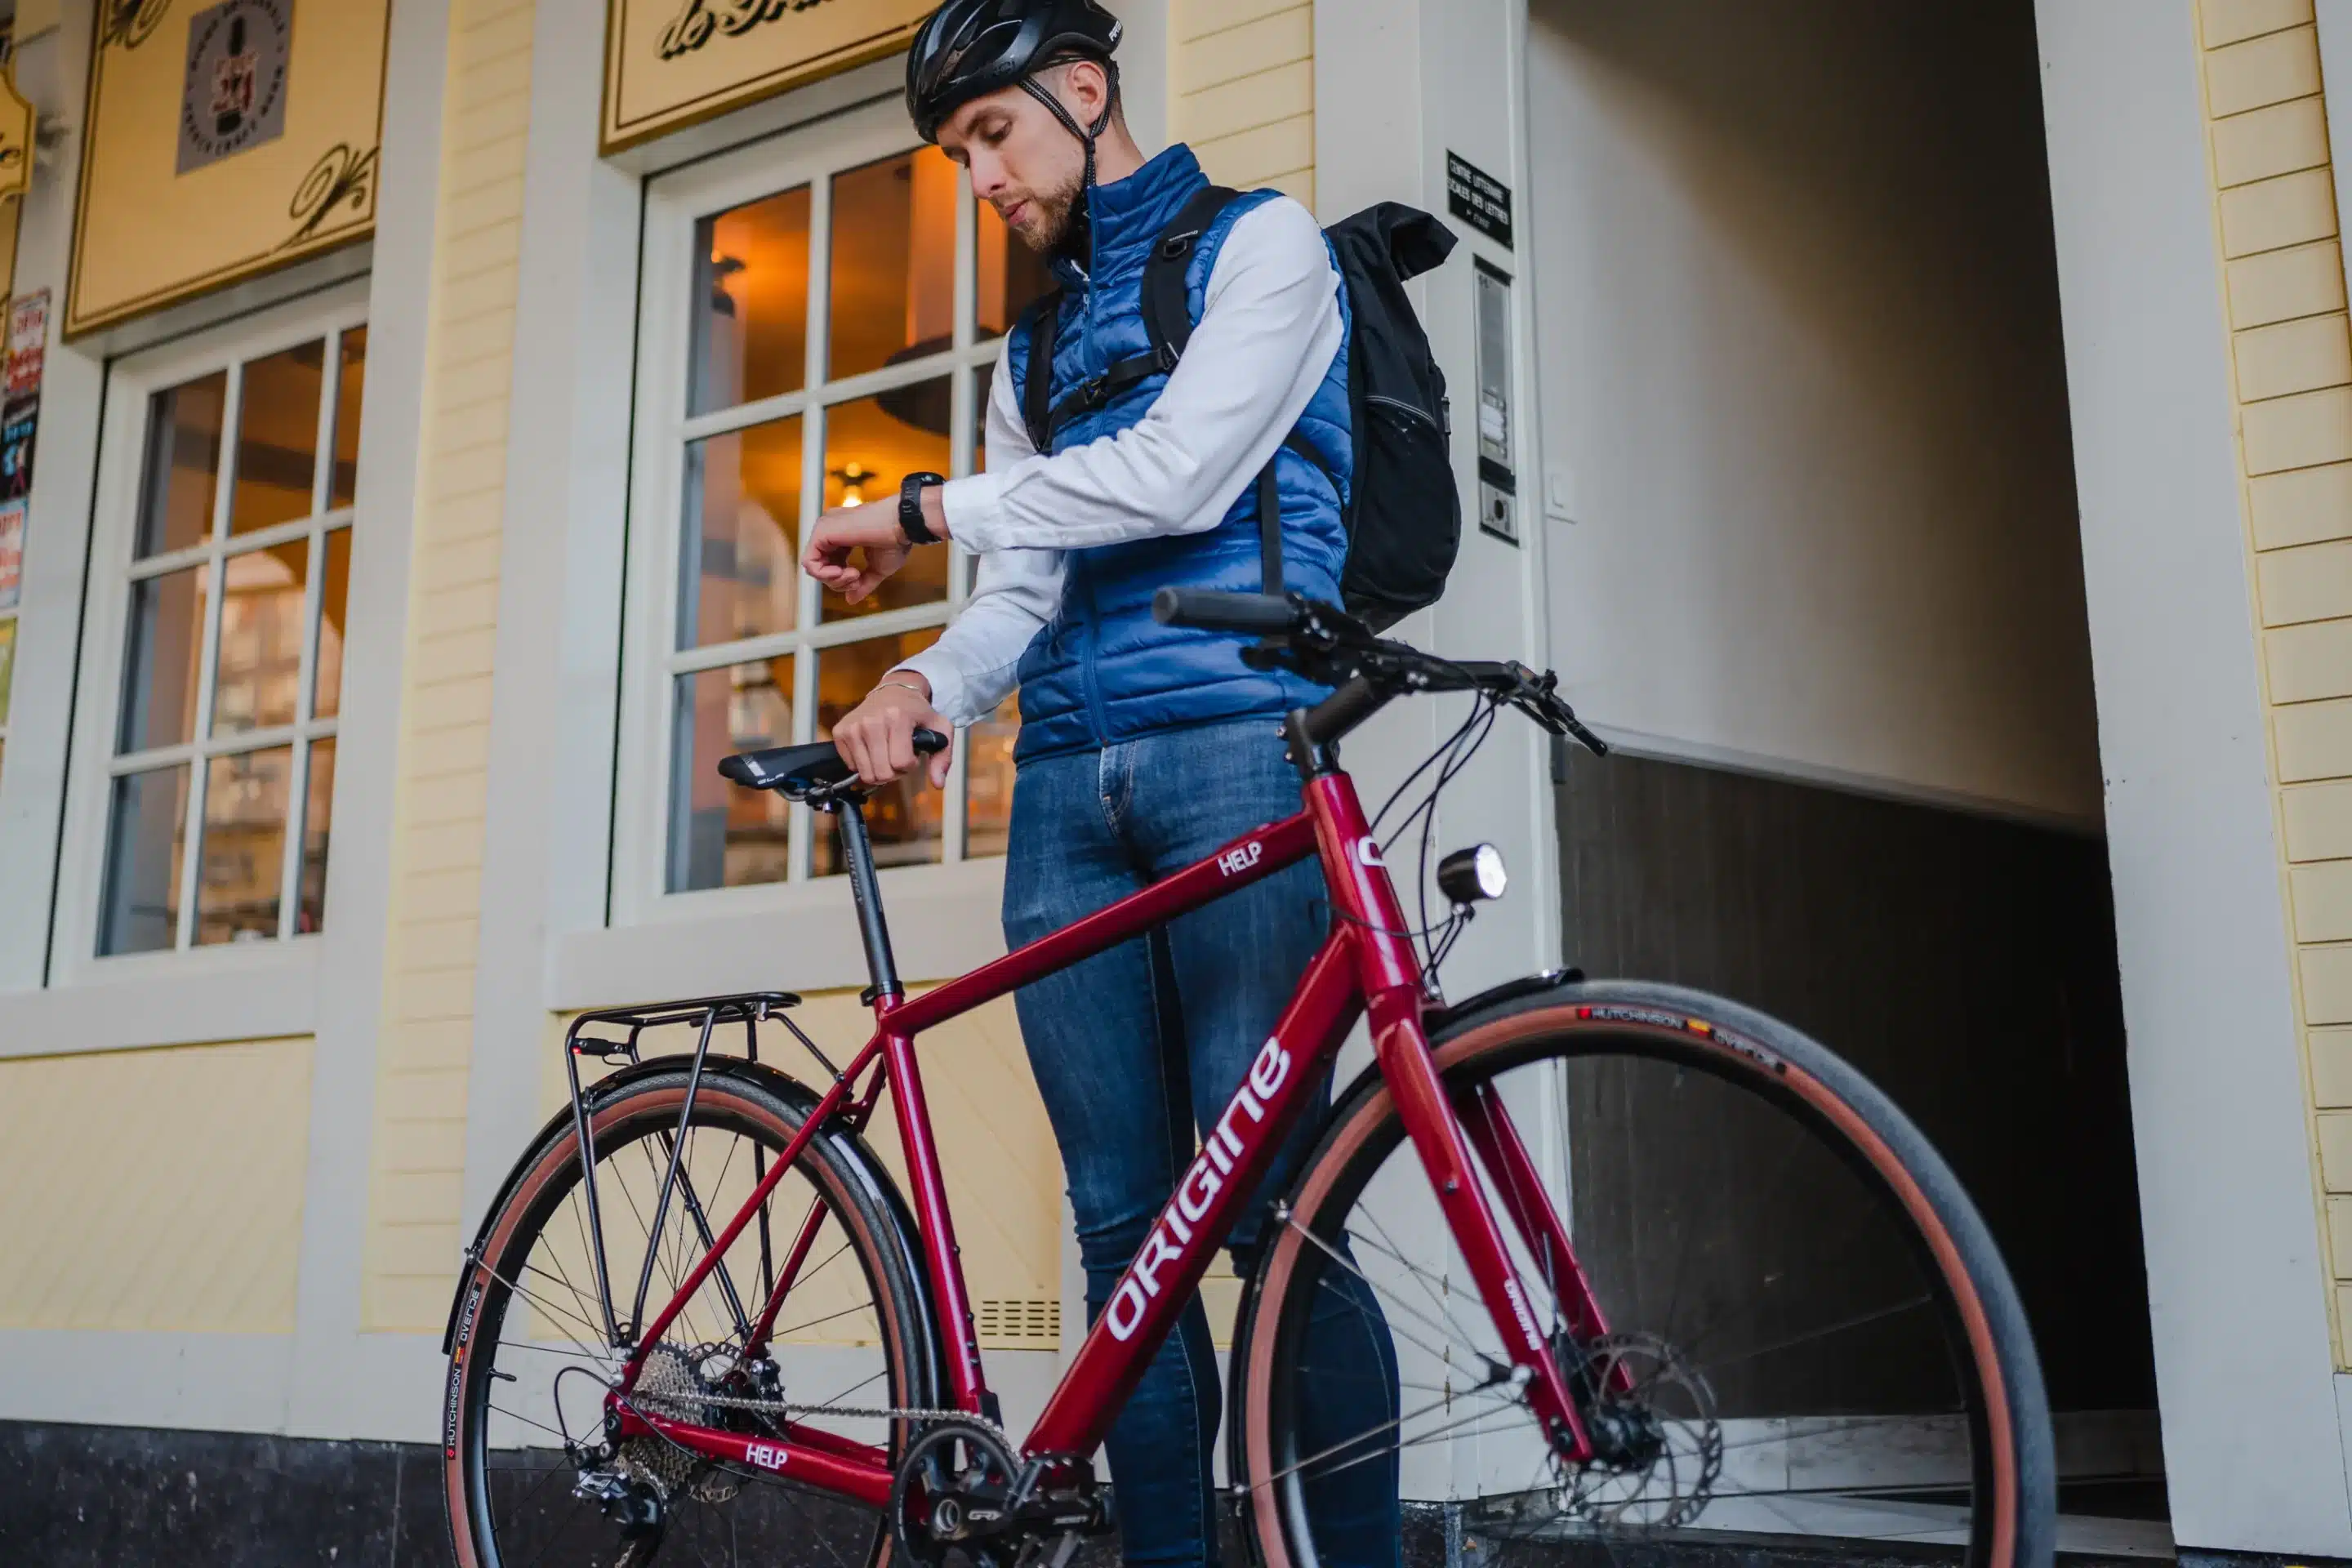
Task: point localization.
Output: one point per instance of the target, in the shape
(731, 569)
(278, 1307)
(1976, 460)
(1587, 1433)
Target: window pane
(893, 261)
(316, 809)
(870, 447)
(905, 820)
(988, 780)
(164, 657)
(7, 666)
(335, 593)
(721, 835)
(182, 475)
(145, 836)
(237, 882)
(750, 303)
(742, 530)
(277, 437)
(350, 381)
(259, 677)
(1011, 274)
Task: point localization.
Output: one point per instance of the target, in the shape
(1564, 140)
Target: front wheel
(1805, 1328)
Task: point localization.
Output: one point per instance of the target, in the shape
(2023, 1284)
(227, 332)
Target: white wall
(2253, 1453)
(1798, 347)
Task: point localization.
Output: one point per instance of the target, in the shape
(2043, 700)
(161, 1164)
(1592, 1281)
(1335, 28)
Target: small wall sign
(1479, 199)
(234, 94)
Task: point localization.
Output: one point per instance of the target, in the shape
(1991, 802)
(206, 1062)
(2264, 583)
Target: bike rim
(1837, 1375)
(540, 1313)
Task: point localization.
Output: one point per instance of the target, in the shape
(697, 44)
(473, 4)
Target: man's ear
(1089, 86)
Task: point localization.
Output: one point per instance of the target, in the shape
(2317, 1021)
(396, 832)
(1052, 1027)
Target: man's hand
(873, 529)
(878, 736)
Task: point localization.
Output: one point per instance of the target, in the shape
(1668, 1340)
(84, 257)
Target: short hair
(1111, 74)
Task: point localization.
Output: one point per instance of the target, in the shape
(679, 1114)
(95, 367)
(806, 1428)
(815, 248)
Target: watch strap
(910, 508)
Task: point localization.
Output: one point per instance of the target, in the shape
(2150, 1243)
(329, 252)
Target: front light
(1469, 875)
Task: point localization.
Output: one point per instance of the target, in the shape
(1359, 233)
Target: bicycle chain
(845, 1412)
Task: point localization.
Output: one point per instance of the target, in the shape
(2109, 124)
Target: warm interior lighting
(854, 478)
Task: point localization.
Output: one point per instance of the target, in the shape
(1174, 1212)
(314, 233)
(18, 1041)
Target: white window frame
(674, 204)
(130, 383)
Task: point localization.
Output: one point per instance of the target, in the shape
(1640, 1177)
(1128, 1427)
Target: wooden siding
(417, 1160)
(156, 1190)
(2291, 351)
(1241, 90)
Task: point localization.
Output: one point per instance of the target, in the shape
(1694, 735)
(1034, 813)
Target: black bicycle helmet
(969, 48)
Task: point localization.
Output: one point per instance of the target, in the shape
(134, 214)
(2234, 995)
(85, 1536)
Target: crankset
(961, 1492)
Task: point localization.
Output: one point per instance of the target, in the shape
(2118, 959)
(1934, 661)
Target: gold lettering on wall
(671, 63)
(225, 138)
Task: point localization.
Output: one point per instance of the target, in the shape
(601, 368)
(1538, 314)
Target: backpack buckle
(1175, 246)
(1165, 356)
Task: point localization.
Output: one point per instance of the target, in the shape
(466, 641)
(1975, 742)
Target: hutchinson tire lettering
(1226, 1147)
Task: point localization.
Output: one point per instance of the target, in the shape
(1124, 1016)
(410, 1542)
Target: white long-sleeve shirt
(1270, 327)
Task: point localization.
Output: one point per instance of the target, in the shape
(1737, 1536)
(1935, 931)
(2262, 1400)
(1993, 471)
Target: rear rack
(618, 1048)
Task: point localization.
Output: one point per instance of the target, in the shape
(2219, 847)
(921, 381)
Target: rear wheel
(530, 1478)
(1808, 1331)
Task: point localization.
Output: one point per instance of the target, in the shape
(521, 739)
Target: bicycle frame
(1367, 966)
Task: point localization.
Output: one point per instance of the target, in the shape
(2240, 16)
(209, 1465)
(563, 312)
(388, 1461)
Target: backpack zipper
(1401, 407)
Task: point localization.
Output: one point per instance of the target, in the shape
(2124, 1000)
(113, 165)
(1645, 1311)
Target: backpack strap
(1044, 322)
(1167, 302)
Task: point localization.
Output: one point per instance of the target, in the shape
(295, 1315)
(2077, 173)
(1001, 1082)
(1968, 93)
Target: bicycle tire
(2011, 1479)
(633, 1107)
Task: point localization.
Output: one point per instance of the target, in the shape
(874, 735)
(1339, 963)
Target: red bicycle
(1652, 1262)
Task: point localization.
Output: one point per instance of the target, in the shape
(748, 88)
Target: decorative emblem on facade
(129, 22)
(16, 138)
(696, 20)
(234, 94)
(341, 176)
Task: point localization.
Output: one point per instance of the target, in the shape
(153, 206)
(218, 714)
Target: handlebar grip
(928, 741)
(1259, 614)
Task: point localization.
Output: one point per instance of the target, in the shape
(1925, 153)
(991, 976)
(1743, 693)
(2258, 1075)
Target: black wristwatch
(910, 508)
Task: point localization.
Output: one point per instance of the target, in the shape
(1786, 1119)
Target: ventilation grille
(1018, 1322)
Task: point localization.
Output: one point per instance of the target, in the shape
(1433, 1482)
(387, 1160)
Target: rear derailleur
(961, 1491)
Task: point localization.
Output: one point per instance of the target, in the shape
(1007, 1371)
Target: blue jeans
(1140, 1049)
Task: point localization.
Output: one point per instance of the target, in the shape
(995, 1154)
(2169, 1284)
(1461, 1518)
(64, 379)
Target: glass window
(903, 295)
(233, 653)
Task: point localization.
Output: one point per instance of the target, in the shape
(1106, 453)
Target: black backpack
(1404, 515)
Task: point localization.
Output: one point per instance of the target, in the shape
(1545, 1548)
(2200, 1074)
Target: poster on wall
(670, 63)
(224, 141)
(12, 552)
(20, 393)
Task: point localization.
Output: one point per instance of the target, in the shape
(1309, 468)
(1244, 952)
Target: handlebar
(1267, 614)
(1326, 645)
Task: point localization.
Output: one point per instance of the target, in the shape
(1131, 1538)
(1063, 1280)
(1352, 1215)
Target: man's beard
(1059, 227)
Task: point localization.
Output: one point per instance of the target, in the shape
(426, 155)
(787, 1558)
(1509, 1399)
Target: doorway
(1814, 557)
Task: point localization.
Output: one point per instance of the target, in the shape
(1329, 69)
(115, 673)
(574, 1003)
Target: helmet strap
(1086, 135)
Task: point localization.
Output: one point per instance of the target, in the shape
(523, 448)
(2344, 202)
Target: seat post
(858, 852)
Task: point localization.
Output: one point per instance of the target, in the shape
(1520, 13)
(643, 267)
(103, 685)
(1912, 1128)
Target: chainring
(950, 1496)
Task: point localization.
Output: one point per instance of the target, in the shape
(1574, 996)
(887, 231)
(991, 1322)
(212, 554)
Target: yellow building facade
(425, 397)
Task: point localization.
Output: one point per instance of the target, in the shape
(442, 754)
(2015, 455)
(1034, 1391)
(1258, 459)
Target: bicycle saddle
(797, 772)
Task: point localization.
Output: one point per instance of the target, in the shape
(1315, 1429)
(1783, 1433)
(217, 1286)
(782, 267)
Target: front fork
(1445, 1129)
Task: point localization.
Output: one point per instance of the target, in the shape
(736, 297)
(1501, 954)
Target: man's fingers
(941, 759)
(902, 744)
(850, 742)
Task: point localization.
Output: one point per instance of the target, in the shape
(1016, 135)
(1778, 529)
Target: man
(1143, 748)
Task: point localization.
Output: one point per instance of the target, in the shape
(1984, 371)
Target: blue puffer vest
(1103, 669)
